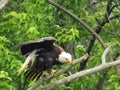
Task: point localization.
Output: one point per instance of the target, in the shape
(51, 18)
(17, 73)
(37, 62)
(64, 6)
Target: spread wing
(29, 46)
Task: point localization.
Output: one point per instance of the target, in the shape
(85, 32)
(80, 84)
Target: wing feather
(29, 46)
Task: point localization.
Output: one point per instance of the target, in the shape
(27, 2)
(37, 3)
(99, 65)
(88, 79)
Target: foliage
(23, 20)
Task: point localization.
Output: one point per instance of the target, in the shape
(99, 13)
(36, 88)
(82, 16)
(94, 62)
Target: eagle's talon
(53, 72)
(43, 74)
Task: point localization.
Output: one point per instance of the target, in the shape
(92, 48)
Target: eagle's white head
(65, 57)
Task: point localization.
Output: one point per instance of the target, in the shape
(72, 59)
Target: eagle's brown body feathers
(41, 55)
(46, 55)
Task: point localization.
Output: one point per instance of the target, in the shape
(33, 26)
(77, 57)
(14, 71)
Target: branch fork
(106, 51)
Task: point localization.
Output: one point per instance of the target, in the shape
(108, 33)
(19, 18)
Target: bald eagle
(41, 55)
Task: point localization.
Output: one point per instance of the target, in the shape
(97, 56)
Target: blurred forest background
(23, 20)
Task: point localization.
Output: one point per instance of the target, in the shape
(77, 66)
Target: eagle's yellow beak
(69, 61)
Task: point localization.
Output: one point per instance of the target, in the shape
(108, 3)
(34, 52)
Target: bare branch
(79, 74)
(93, 2)
(108, 9)
(41, 80)
(106, 51)
(114, 17)
(112, 8)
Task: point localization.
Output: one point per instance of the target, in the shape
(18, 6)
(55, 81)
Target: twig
(106, 51)
(111, 8)
(115, 16)
(41, 80)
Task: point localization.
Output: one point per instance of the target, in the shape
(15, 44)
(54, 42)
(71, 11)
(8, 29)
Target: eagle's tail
(31, 74)
(30, 59)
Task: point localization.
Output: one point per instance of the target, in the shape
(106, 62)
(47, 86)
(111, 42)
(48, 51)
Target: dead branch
(106, 51)
(41, 80)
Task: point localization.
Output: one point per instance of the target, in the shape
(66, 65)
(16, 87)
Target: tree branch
(114, 16)
(112, 8)
(79, 20)
(41, 80)
(106, 51)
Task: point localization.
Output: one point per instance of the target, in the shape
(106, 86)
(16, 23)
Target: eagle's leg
(53, 72)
